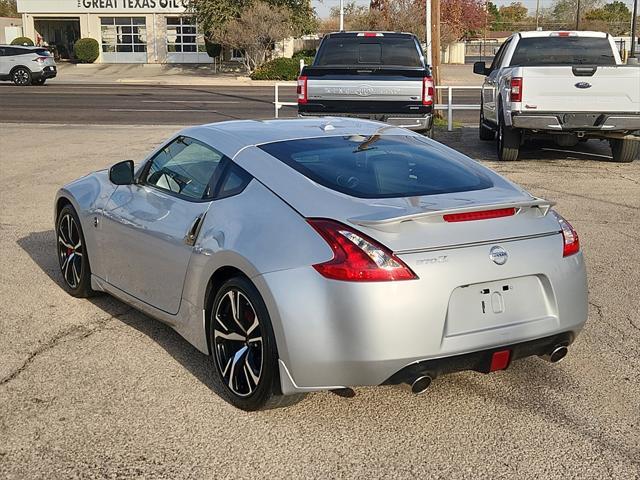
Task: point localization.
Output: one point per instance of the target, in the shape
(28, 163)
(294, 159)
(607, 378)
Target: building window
(123, 34)
(183, 36)
(237, 54)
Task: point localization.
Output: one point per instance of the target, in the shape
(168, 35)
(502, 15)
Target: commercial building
(128, 31)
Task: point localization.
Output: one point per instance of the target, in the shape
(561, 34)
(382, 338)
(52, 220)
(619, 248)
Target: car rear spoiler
(385, 219)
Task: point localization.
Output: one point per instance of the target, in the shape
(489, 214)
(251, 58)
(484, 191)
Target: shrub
(86, 50)
(305, 54)
(277, 69)
(213, 49)
(22, 41)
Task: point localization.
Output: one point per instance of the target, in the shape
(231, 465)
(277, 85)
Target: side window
(2, 51)
(186, 167)
(234, 182)
(497, 60)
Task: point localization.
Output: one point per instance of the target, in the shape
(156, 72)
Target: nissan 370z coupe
(326, 253)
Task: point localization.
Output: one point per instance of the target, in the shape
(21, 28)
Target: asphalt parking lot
(94, 389)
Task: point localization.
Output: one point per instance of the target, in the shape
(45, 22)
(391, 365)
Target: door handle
(192, 235)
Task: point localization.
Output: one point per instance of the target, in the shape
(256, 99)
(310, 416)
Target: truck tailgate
(365, 87)
(558, 89)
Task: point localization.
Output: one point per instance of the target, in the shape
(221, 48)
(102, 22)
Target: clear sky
(323, 6)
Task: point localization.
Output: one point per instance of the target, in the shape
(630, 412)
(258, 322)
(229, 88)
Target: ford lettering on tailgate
(362, 91)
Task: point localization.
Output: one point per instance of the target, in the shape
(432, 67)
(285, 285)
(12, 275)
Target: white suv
(26, 65)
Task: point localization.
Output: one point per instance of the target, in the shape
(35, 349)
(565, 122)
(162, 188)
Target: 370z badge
(499, 255)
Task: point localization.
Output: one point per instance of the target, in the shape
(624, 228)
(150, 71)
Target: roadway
(126, 104)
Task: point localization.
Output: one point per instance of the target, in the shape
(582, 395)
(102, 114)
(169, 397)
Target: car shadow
(465, 140)
(40, 247)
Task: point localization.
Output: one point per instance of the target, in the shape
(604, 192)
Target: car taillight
(40, 59)
(569, 236)
(302, 89)
(356, 257)
(427, 91)
(516, 89)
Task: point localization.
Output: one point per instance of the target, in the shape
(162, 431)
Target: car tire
(21, 76)
(508, 142)
(241, 335)
(39, 81)
(72, 254)
(624, 151)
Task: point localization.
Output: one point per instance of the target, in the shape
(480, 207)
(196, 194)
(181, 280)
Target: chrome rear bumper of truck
(572, 122)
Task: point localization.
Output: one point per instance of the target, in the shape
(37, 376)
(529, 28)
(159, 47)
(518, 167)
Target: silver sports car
(326, 253)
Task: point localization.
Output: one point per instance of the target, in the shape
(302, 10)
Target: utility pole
(537, 14)
(427, 30)
(341, 15)
(435, 45)
(578, 17)
(634, 29)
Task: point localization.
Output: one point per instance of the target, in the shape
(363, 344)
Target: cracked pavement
(95, 389)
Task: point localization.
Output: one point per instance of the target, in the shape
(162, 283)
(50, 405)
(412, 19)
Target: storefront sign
(101, 6)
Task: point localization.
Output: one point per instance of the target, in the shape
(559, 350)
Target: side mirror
(480, 68)
(122, 173)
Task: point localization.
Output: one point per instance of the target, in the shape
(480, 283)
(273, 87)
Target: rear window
(380, 166)
(378, 51)
(42, 52)
(563, 51)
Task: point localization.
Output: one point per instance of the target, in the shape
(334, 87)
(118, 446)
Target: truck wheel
(624, 151)
(508, 142)
(485, 132)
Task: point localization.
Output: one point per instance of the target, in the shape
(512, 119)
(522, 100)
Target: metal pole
(537, 14)
(578, 17)
(634, 29)
(341, 15)
(427, 8)
(277, 101)
(449, 109)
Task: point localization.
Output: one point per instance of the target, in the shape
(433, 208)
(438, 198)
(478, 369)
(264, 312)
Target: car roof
(29, 47)
(355, 33)
(232, 136)
(548, 33)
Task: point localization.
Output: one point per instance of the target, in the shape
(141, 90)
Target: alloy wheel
(21, 77)
(70, 250)
(238, 344)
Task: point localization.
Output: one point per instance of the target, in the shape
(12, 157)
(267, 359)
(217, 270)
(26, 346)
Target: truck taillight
(357, 257)
(516, 89)
(571, 242)
(427, 91)
(302, 89)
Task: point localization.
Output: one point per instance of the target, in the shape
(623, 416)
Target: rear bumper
(573, 122)
(411, 122)
(47, 72)
(479, 361)
(334, 334)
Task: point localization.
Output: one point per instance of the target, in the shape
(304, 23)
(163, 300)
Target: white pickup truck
(571, 85)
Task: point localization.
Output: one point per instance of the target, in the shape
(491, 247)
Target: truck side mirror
(480, 68)
(122, 173)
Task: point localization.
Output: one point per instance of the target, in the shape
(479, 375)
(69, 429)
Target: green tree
(563, 12)
(611, 12)
(8, 8)
(212, 15)
(613, 17)
(514, 13)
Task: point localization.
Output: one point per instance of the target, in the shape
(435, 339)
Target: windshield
(563, 51)
(380, 166)
(371, 51)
